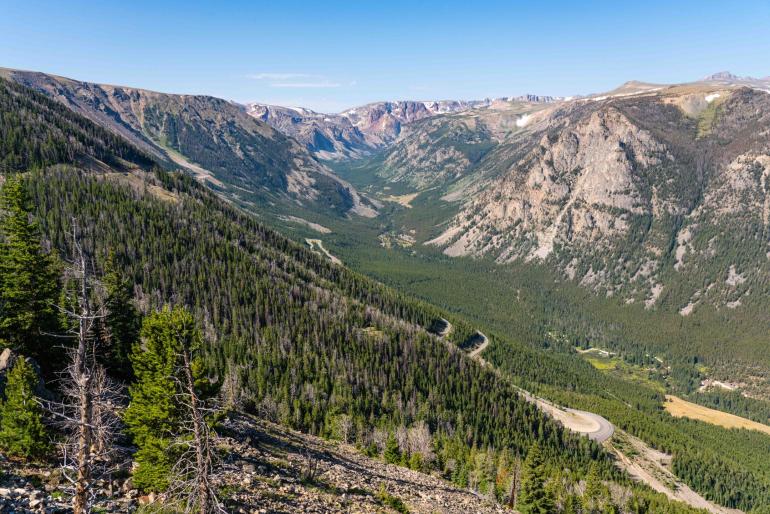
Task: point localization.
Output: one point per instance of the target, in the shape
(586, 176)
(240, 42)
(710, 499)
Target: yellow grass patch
(680, 408)
(404, 200)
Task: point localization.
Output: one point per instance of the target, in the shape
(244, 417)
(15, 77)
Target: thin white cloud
(278, 76)
(281, 80)
(307, 85)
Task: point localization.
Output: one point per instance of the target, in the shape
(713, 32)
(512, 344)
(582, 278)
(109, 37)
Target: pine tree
(22, 432)
(596, 495)
(392, 453)
(28, 277)
(154, 414)
(534, 497)
(122, 320)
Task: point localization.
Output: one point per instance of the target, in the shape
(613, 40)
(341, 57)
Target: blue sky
(333, 55)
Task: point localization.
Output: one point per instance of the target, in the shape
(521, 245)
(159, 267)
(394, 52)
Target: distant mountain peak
(722, 75)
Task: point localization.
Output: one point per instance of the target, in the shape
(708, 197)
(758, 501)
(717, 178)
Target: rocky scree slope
(265, 468)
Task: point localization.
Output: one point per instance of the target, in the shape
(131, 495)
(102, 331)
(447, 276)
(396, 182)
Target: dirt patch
(140, 183)
(653, 468)
(317, 245)
(201, 174)
(309, 224)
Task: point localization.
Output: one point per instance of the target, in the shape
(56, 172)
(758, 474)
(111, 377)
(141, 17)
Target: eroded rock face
(581, 186)
(632, 195)
(435, 151)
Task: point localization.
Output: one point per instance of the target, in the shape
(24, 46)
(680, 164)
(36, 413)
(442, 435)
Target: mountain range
(656, 194)
(650, 200)
(363, 130)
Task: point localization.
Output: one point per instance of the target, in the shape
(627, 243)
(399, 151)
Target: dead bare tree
(515, 476)
(231, 391)
(309, 470)
(83, 379)
(420, 441)
(87, 412)
(345, 425)
(193, 475)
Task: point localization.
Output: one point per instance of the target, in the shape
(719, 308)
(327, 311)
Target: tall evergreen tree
(122, 320)
(22, 432)
(596, 497)
(392, 453)
(534, 497)
(28, 277)
(155, 413)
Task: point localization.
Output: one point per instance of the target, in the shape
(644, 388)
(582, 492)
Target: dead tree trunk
(202, 456)
(514, 483)
(87, 412)
(83, 381)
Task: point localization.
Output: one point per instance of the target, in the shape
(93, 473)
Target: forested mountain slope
(302, 341)
(650, 198)
(242, 157)
(656, 195)
(317, 347)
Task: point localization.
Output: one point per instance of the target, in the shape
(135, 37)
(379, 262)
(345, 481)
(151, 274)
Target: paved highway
(583, 422)
(605, 430)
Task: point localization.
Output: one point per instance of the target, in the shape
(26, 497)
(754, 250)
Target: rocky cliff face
(580, 185)
(654, 197)
(328, 136)
(657, 194)
(435, 151)
(212, 138)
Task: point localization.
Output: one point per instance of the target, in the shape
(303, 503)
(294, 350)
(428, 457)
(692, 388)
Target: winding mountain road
(441, 327)
(592, 425)
(605, 428)
(480, 348)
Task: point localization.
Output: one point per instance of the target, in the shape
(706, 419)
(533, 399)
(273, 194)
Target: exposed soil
(653, 468)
